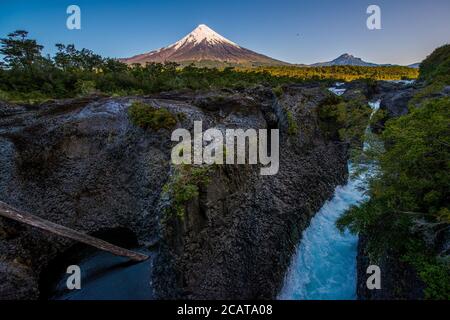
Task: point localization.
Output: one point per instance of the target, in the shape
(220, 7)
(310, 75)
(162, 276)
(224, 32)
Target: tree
(69, 58)
(19, 51)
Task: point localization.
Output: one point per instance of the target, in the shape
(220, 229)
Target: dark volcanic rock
(81, 163)
(395, 97)
(238, 236)
(399, 281)
(396, 103)
(394, 100)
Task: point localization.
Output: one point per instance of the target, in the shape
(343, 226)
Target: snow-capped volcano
(204, 45)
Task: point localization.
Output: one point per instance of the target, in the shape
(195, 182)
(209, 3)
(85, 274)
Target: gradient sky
(297, 31)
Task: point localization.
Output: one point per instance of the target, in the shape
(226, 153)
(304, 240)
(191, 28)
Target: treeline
(28, 76)
(436, 68)
(344, 73)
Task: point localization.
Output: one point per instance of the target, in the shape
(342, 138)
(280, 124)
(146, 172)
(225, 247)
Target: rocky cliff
(83, 164)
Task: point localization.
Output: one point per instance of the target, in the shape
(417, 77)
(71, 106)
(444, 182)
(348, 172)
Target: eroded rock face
(250, 224)
(396, 103)
(396, 97)
(81, 163)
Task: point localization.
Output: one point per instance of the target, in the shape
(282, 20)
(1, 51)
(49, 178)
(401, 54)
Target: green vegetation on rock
(184, 185)
(278, 91)
(292, 124)
(344, 120)
(435, 75)
(434, 271)
(146, 116)
(409, 198)
(409, 210)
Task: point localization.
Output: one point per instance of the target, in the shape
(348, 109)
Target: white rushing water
(404, 82)
(337, 90)
(324, 265)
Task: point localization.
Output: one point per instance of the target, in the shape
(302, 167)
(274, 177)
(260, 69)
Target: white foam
(337, 91)
(404, 82)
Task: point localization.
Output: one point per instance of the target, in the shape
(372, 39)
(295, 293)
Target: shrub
(433, 272)
(278, 91)
(345, 121)
(292, 124)
(32, 97)
(184, 186)
(85, 87)
(146, 116)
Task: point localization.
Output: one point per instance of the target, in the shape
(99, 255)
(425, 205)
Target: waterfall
(324, 264)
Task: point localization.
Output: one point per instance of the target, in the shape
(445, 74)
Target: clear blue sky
(296, 31)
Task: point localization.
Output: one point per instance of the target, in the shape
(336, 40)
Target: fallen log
(10, 212)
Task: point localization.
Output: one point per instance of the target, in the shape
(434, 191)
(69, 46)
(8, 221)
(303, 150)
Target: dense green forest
(408, 213)
(345, 73)
(28, 76)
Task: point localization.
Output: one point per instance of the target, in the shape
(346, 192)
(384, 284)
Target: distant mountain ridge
(345, 59)
(204, 45)
(415, 65)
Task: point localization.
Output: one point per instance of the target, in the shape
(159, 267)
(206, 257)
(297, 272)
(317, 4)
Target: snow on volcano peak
(203, 33)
